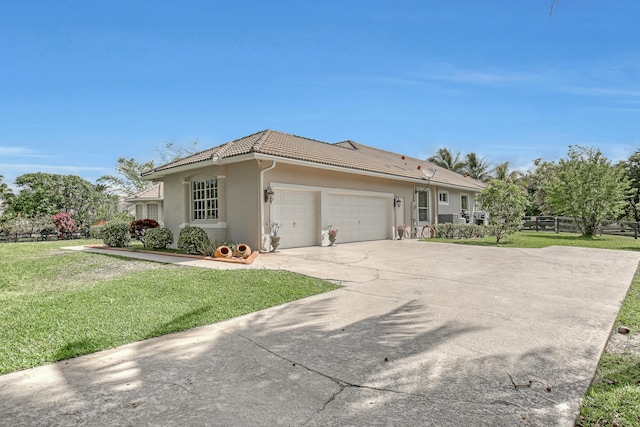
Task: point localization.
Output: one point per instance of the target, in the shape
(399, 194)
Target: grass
(613, 399)
(614, 396)
(532, 239)
(57, 304)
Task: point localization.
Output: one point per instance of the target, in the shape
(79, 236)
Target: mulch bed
(248, 260)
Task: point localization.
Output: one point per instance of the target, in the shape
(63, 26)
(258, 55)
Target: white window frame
(204, 200)
(462, 196)
(419, 207)
(139, 211)
(443, 198)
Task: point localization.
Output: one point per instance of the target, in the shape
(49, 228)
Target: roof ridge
(261, 140)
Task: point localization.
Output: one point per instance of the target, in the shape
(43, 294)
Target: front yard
(56, 304)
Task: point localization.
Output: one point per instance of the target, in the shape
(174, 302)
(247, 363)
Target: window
(464, 202)
(204, 197)
(139, 212)
(423, 206)
(443, 197)
(152, 211)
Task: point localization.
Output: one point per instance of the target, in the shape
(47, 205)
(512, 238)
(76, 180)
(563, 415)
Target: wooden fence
(563, 224)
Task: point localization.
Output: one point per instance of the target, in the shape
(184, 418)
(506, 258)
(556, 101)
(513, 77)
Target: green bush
(158, 238)
(192, 239)
(95, 230)
(116, 234)
(460, 231)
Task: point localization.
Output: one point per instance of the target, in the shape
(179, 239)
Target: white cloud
(51, 168)
(10, 151)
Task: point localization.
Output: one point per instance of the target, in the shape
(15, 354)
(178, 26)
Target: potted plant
(275, 239)
(401, 230)
(332, 232)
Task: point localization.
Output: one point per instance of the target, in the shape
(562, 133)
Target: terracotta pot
(242, 251)
(223, 252)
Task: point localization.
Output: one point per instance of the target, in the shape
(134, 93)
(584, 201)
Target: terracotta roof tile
(153, 192)
(347, 154)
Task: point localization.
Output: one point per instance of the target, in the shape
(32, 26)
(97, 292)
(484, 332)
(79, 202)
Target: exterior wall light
(268, 194)
(397, 202)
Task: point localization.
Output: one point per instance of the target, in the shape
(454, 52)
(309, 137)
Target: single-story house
(235, 191)
(149, 202)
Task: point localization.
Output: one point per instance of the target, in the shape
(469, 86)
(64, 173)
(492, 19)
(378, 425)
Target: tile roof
(346, 154)
(154, 192)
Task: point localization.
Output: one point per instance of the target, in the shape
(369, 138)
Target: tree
(446, 160)
(536, 185)
(169, 152)
(129, 180)
(6, 194)
(503, 173)
(588, 188)
(476, 167)
(48, 194)
(631, 169)
(505, 204)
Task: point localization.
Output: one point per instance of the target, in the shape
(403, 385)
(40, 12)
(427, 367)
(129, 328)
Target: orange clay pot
(223, 252)
(242, 251)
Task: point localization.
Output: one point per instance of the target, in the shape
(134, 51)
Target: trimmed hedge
(158, 238)
(459, 231)
(116, 234)
(192, 239)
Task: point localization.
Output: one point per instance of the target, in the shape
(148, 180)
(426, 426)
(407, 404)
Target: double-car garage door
(356, 216)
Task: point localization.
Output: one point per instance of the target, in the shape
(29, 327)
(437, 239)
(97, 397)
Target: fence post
(555, 224)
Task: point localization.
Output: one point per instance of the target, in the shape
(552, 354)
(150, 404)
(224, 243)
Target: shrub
(96, 229)
(192, 239)
(138, 228)
(460, 231)
(116, 234)
(64, 224)
(19, 226)
(158, 238)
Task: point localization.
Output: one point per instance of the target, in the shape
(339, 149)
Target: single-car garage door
(297, 211)
(358, 218)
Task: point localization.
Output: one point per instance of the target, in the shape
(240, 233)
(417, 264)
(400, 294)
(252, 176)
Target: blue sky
(83, 83)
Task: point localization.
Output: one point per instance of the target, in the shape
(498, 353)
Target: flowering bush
(65, 224)
(332, 232)
(138, 228)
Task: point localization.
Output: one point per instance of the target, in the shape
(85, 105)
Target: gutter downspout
(262, 202)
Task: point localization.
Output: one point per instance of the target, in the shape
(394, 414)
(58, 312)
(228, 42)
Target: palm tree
(502, 172)
(445, 159)
(5, 191)
(476, 167)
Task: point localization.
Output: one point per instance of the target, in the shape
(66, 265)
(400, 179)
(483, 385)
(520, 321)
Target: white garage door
(297, 211)
(360, 218)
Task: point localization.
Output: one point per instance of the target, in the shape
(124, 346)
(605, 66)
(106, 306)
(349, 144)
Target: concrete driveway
(420, 334)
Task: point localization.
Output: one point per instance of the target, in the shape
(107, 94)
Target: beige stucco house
(148, 202)
(236, 190)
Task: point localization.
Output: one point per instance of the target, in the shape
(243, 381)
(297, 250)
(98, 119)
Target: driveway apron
(419, 334)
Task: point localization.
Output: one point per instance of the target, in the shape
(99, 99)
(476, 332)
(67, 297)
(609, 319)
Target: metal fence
(563, 224)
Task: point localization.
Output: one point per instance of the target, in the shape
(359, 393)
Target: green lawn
(532, 239)
(614, 396)
(56, 304)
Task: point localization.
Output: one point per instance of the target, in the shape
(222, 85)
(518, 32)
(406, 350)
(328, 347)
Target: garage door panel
(297, 212)
(360, 218)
